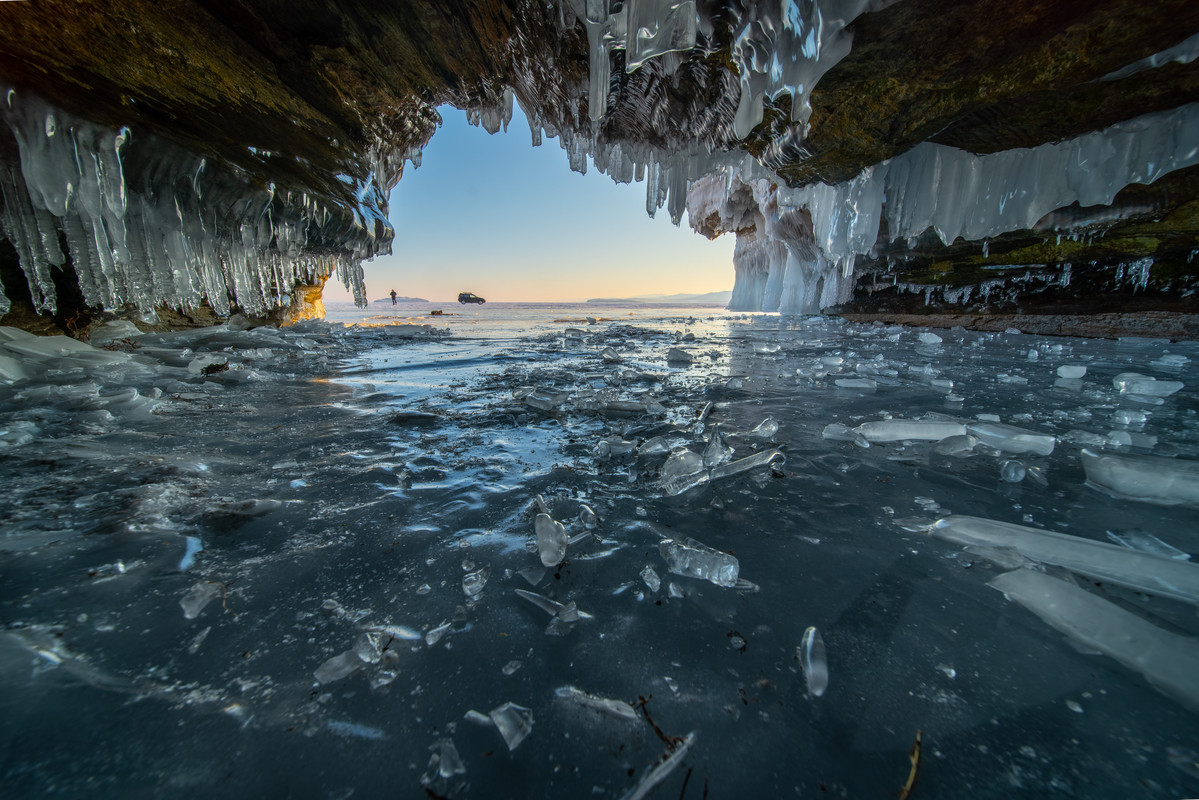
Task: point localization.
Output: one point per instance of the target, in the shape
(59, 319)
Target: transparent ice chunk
(197, 597)
(765, 430)
(695, 559)
(716, 452)
(514, 723)
(814, 662)
(1012, 471)
(551, 540)
(615, 708)
(340, 666)
(1138, 384)
(449, 763)
(1071, 371)
(473, 582)
(651, 579)
(750, 462)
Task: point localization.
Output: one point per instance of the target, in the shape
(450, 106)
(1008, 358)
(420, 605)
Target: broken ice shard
(1070, 371)
(716, 452)
(340, 666)
(651, 579)
(814, 662)
(1168, 661)
(681, 462)
(929, 338)
(473, 582)
(588, 517)
(897, 430)
(514, 723)
(197, 597)
(1011, 439)
(551, 540)
(695, 559)
(1099, 560)
(766, 429)
(1165, 481)
(615, 708)
(750, 462)
(449, 762)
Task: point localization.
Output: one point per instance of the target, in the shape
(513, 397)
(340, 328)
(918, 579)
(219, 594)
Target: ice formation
(796, 247)
(145, 223)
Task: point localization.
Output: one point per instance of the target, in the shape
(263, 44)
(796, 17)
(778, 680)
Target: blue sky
(495, 216)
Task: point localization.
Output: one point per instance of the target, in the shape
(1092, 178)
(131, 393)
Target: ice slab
(695, 559)
(616, 708)
(551, 540)
(339, 666)
(197, 597)
(1168, 661)
(1151, 479)
(814, 661)
(514, 723)
(1099, 560)
(1011, 439)
(1137, 384)
(897, 430)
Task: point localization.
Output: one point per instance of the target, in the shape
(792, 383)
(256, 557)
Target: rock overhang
(315, 108)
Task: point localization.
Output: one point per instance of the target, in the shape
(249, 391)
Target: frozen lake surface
(303, 563)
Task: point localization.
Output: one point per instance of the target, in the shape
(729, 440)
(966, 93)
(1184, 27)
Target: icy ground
(303, 563)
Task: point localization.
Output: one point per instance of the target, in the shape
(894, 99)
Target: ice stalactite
(953, 192)
(174, 230)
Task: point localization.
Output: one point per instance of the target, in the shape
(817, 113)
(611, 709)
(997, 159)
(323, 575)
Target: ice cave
(914, 516)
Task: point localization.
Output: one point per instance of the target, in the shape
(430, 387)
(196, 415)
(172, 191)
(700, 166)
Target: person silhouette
(393, 297)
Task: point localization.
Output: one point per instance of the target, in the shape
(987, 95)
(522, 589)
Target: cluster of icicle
(183, 232)
(779, 48)
(799, 257)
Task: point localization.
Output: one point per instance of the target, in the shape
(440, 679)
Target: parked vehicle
(470, 297)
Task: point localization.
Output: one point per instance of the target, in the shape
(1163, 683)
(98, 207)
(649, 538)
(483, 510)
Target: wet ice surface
(298, 574)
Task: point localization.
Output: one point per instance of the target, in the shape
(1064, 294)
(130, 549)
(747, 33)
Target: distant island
(403, 300)
(720, 298)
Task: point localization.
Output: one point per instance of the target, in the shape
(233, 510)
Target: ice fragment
(197, 597)
(694, 559)
(473, 582)
(514, 723)
(615, 708)
(551, 540)
(1071, 372)
(897, 430)
(340, 666)
(814, 661)
(651, 579)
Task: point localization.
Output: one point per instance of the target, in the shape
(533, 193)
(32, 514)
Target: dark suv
(470, 297)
